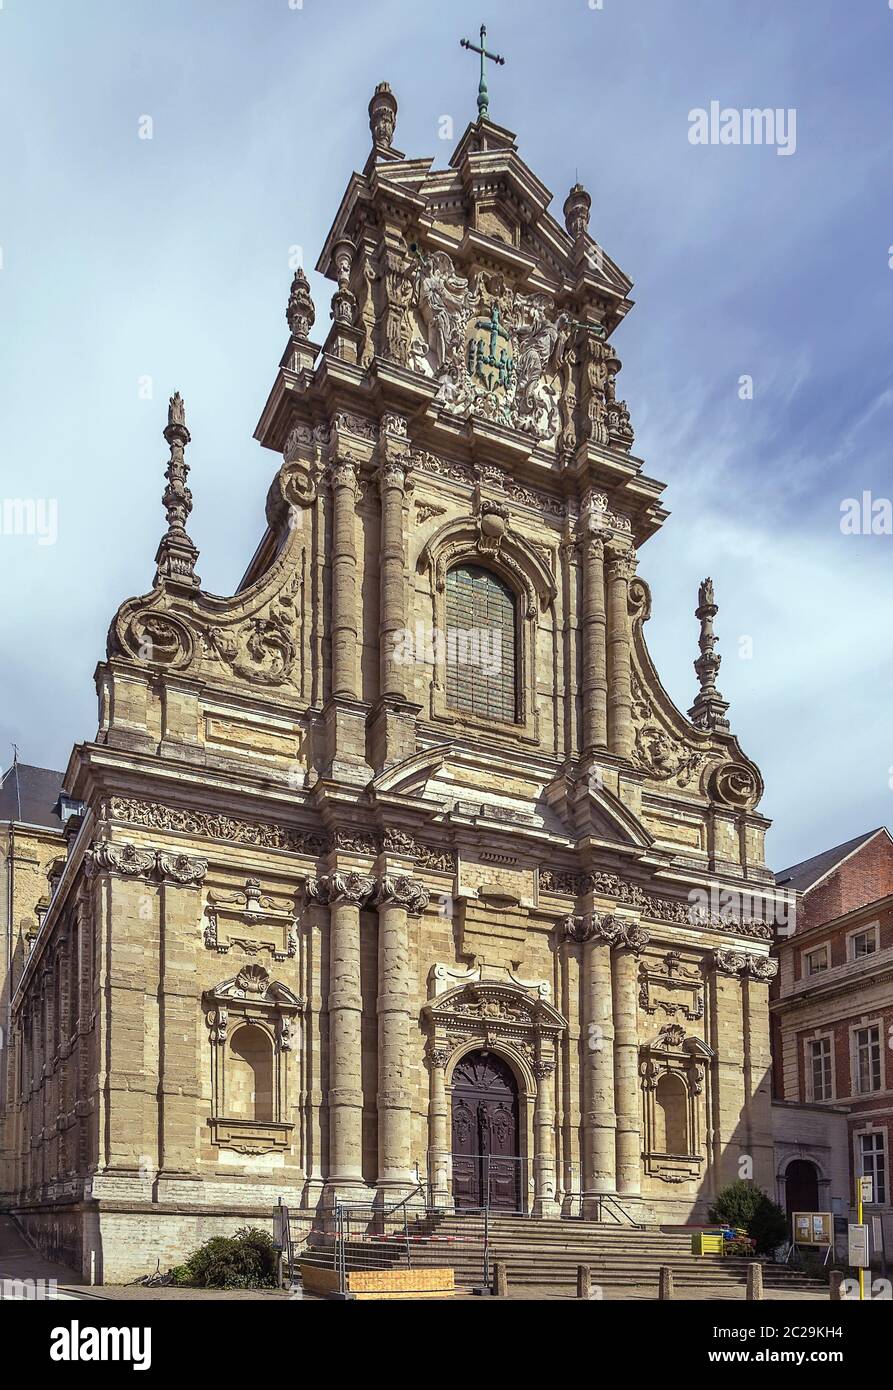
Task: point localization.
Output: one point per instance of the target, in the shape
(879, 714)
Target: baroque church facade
(395, 868)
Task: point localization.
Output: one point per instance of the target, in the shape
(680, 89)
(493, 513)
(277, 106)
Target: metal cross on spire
(483, 94)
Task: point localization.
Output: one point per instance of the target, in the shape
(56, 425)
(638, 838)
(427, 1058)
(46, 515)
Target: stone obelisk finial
(176, 555)
(709, 708)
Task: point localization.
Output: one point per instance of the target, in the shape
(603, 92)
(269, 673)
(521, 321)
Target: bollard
(666, 1282)
(754, 1281)
(584, 1281)
(500, 1279)
(835, 1289)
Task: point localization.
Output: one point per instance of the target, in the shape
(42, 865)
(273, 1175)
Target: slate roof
(806, 874)
(28, 795)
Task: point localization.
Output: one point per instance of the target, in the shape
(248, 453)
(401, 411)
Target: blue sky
(168, 258)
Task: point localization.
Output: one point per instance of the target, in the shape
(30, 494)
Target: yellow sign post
(864, 1193)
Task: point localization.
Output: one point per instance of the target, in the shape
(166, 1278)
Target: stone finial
(344, 301)
(176, 555)
(709, 708)
(577, 206)
(383, 115)
(301, 314)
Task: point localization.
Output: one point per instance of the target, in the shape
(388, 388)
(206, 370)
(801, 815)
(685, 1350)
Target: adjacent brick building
(832, 1011)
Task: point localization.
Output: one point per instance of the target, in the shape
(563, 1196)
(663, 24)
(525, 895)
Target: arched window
(481, 644)
(250, 1075)
(671, 1104)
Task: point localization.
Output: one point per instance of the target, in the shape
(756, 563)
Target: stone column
(347, 893)
(595, 651)
(439, 1148)
(314, 941)
(343, 474)
(129, 911)
(545, 1201)
(392, 572)
(597, 1057)
(620, 569)
(630, 941)
(180, 1017)
(758, 1062)
(730, 1120)
(395, 897)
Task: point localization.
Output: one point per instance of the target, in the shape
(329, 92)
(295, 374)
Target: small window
(863, 943)
(818, 1052)
(480, 644)
(867, 1050)
(817, 960)
(873, 1162)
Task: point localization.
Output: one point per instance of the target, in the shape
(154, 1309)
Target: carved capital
(620, 562)
(633, 937)
(745, 965)
(353, 888)
(593, 926)
(126, 860)
(181, 868)
(343, 472)
(729, 962)
(400, 891)
(542, 1068)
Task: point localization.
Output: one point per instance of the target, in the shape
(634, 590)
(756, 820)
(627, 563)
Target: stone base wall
(115, 1247)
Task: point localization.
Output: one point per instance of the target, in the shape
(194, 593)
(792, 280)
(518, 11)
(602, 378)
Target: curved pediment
(489, 538)
(496, 1002)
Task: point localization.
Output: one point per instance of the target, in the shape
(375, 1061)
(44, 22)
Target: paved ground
(18, 1260)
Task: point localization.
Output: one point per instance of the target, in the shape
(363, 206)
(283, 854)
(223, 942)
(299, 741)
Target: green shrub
(743, 1205)
(248, 1260)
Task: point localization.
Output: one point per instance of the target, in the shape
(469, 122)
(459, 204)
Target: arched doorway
(486, 1150)
(801, 1182)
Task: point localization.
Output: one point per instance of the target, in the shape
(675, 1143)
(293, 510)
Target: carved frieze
(569, 883)
(156, 816)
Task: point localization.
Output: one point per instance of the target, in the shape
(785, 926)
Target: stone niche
(673, 1068)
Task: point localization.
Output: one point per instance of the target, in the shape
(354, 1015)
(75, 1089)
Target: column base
(545, 1206)
(347, 1189)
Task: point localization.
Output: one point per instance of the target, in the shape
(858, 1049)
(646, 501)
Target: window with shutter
(481, 644)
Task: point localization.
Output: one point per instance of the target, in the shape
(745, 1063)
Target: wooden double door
(486, 1151)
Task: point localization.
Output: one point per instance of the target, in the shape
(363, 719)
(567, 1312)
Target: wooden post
(665, 1290)
(754, 1281)
(500, 1279)
(584, 1281)
(836, 1286)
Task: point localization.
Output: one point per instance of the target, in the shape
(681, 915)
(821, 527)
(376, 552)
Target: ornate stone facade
(398, 881)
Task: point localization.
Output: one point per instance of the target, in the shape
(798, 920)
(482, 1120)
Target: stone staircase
(546, 1253)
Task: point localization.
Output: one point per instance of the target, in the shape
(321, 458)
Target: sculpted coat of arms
(495, 353)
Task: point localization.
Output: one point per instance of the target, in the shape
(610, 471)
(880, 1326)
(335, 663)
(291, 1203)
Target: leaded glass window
(480, 644)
